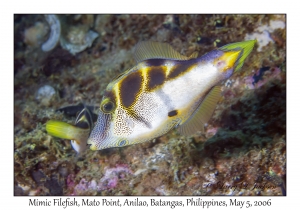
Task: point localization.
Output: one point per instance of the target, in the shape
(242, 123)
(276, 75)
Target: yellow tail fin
(63, 130)
(246, 46)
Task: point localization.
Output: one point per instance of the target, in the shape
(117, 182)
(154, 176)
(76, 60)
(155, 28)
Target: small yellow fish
(78, 133)
(165, 90)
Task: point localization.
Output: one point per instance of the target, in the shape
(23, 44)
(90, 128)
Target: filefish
(164, 90)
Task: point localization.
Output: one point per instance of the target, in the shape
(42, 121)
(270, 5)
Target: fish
(78, 133)
(163, 91)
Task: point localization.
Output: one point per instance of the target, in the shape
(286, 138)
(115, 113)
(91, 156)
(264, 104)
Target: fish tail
(63, 130)
(246, 47)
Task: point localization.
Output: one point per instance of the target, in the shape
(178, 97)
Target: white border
(153, 6)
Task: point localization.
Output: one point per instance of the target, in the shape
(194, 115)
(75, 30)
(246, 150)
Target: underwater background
(242, 152)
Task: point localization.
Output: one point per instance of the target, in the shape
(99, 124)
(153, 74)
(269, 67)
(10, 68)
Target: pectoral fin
(202, 114)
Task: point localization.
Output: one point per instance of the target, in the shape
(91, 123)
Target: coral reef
(72, 38)
(45, 94)
(262, 33)
(34, 35)
(107, 182)
(55, 30)
(242, 151)
(78, 39)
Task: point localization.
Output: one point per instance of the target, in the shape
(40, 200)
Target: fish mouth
(91, 144)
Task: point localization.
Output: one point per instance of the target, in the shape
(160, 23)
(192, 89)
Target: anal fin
(202, 114)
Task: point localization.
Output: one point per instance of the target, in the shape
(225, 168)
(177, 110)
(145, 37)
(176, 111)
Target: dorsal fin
(194, 55)
(202, 114)
(149, 49)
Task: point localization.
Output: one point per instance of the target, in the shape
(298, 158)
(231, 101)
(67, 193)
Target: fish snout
(92, 143)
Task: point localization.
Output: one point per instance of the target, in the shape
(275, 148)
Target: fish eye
(107, 107)
(122, 143)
